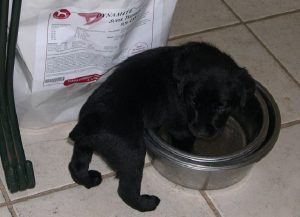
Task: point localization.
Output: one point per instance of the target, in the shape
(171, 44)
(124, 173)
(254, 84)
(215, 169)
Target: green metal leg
(18, 171)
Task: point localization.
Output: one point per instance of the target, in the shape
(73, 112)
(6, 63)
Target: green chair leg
(18, 171)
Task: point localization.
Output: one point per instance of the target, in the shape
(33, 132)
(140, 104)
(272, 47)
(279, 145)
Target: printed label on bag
(75, 46)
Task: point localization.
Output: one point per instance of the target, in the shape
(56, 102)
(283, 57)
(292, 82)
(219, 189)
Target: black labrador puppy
(191, 89)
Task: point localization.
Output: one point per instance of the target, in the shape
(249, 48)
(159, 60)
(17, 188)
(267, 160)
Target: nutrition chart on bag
(77, 46)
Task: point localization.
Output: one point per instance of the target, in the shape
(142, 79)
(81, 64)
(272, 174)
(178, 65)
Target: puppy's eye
(193, 103)
(222, 110)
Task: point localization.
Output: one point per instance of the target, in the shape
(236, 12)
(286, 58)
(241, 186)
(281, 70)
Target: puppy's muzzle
(207, 132)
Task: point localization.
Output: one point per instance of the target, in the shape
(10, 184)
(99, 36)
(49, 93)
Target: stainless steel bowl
(214, 171)
(244, 132)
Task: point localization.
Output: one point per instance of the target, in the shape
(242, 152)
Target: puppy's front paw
(148, 202)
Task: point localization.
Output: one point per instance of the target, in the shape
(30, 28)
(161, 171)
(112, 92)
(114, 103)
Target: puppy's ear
(181, 72)
(248, 86)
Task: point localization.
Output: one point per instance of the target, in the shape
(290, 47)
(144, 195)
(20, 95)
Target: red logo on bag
(83, 79)
(61, 14)
(91, 17)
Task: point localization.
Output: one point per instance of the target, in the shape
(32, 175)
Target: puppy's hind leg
(130, 184)
(79, 165)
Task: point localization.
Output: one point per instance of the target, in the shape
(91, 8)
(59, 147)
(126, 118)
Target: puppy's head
(212, 86)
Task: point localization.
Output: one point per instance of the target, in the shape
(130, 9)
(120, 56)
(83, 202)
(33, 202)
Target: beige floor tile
(282, 36)
(272, 188)
(4, 212)
(196, 15)
(253, 9)
(104, 201)
(247, 52)
(56, 132)
(50, 161)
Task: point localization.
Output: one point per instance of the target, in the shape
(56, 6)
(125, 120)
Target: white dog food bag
(66, 47)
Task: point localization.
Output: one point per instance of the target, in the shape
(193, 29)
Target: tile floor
(264, 36)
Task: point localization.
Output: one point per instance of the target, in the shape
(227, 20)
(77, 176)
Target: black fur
(191, 89)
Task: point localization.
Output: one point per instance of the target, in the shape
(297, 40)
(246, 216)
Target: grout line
(2, 204)
(289, 124)
(4, 193)
(7, 200)
(172, 38)
(261, 42)
(45, 141)
(271, 16)
(54, 190)
(12, 211)
(210, 203)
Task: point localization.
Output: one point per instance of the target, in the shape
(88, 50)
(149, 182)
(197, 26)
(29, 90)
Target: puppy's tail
(76, 134)
(85, 127)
